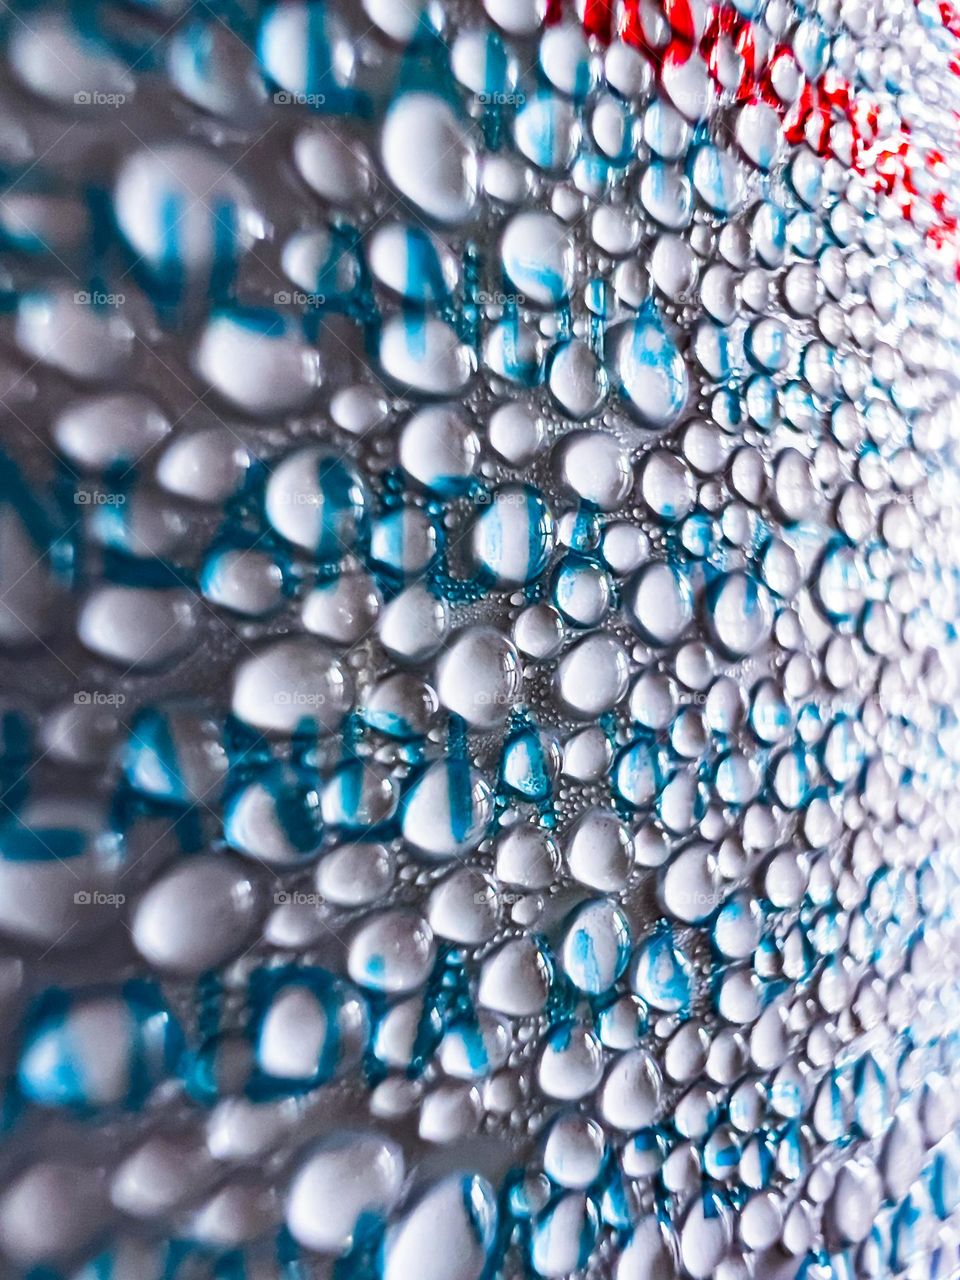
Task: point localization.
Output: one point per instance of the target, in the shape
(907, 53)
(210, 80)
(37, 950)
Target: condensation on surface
(479, 551)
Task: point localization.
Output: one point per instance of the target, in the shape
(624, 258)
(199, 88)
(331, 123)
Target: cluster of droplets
(478, 518)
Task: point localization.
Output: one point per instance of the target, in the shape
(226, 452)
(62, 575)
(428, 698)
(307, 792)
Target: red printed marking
(816, 115)
(950, 18)
(679, 14)
(598, 19)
